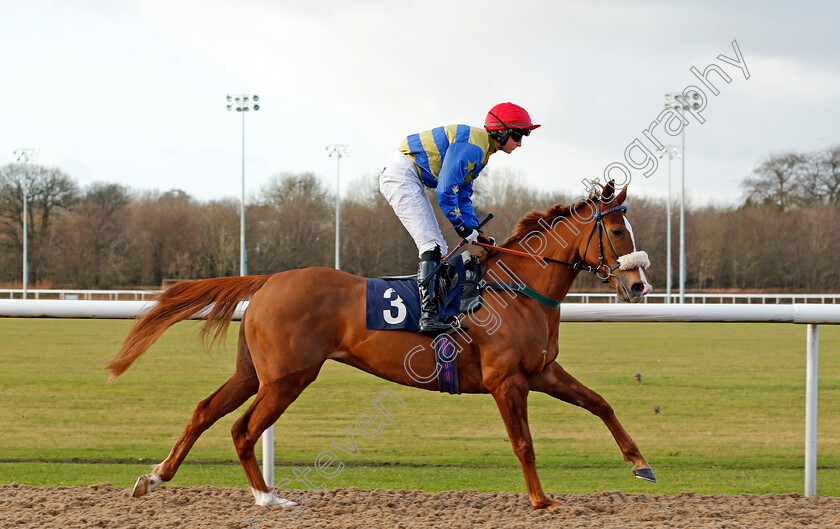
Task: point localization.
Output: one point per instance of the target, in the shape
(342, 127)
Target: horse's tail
(182, 301)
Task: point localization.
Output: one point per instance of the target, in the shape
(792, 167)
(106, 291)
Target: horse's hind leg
(555, 381)
(224, 400)
(272, 399)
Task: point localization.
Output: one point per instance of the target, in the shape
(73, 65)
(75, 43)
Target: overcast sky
(134, 91)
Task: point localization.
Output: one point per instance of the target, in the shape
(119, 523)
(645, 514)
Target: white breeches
(402, 187)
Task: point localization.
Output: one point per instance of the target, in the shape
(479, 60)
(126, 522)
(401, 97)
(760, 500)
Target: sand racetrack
(23, 506)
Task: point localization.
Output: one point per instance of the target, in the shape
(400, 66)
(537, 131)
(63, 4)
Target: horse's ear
(608, 192)
(621, 196)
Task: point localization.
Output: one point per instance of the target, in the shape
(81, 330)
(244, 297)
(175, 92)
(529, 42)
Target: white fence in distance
(70, 294)
(572, 297)
(811, 314)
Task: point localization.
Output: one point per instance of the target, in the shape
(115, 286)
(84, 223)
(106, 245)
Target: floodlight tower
(339, 151)
(680, 103)
(242, 103)
(671, 151)
(23, 157)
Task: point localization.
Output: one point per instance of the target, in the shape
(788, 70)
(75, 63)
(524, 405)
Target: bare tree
(162, 236)
(775, 181)
(809, 185)
(49, 193)
(293, 226)
(217, 245)
(92, 239)
(829, 161)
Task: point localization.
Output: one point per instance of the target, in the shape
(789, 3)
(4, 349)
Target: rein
(523, 254)
(579, 265)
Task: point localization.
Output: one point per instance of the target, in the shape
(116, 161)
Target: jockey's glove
(486, 239)
(468, 234)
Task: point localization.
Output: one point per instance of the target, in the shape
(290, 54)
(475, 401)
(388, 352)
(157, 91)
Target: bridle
(603, 270)
(602, 233)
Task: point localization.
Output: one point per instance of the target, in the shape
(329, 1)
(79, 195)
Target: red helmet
(508, 116)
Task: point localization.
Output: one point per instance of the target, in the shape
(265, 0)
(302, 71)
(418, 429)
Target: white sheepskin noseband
(634, 260)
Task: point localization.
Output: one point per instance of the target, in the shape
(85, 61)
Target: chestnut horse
(298, 319)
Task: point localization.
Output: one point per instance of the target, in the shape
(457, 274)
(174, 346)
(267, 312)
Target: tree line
(105, 236)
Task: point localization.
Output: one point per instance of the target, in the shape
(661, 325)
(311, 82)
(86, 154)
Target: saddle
(393, 303)
(458, 289)
(459, 283)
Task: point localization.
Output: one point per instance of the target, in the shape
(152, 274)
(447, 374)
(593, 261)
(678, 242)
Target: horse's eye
(618, 233)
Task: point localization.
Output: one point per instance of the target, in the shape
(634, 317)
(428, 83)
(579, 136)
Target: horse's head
(609, 247)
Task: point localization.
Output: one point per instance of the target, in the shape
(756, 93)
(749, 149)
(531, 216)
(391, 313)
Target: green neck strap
(536, 296)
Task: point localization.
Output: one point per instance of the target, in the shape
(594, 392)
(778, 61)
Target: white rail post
(811, 410)
(268, 456)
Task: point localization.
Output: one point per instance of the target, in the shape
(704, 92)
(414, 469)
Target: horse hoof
(140, 487)
(265, 499)
(145, 484)
(546, 503)
(645, 474)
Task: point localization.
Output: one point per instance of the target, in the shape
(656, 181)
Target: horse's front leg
(511, 396)
(555, 381)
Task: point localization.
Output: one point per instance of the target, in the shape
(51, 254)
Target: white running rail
(572, 297)
(810, 314)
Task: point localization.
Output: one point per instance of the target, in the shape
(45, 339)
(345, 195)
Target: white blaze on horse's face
(637, 260)
(630, 231)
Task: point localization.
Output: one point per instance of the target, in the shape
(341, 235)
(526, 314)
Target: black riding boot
(430, 322)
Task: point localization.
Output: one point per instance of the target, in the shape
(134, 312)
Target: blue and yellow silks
(449, 159)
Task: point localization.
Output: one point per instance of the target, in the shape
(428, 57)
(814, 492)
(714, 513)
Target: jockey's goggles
(517, 134)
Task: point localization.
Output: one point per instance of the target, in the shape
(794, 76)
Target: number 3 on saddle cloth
(393, 303)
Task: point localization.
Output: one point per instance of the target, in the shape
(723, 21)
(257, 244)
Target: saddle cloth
(393, 303)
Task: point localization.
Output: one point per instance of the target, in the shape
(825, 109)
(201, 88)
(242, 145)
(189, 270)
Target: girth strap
(446, 359)
(527, 291)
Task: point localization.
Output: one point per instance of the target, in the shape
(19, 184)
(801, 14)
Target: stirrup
(458, 325)
(431, 325)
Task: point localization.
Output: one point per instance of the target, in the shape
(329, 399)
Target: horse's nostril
(638, 288)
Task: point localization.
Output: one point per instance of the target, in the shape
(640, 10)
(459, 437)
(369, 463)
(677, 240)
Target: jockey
(446, 159)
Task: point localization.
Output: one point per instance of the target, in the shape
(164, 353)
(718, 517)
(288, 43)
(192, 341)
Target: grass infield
(731, 399)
